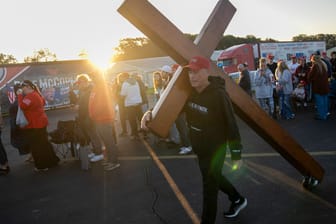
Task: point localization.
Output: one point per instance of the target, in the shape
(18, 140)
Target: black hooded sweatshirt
(211, 121)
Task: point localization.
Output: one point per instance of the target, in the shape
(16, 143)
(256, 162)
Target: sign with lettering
(54, 80)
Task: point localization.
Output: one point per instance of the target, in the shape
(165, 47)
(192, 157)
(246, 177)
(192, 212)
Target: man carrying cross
(213, 128)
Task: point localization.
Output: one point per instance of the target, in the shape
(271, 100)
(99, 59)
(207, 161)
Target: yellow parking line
(185, 204)
(245, 155)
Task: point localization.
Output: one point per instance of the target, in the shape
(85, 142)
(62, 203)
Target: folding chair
(64, 138)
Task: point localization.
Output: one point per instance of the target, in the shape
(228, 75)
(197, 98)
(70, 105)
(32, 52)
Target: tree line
(142, 47)
(42, 55)
(135, 48)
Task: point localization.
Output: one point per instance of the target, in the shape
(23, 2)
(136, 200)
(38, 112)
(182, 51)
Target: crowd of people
(280, 88)
(95, 117)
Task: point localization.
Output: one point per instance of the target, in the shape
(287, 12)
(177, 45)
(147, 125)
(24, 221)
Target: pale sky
(66, 27)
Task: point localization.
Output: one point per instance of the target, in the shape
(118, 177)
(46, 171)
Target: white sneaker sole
(96, 160)
(238, 210)
(185, 151)
(110, 167)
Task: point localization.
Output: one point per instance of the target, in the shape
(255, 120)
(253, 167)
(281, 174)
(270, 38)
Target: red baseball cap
(174, 67)
(198, 62)
(302, 82)
(270, 56)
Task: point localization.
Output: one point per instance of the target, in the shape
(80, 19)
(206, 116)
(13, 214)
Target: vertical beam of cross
(165, 34)
(207, 40)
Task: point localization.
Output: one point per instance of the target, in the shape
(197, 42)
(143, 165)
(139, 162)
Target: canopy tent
(145, 66)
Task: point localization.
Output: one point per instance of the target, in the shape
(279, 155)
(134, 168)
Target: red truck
(235, 55)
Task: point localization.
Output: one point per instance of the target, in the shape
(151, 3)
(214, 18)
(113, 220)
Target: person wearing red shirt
(101, 111)
(32, 104)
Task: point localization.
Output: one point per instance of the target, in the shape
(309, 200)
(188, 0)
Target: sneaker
(105, 162)
(91, 155)
(4, 171)
(111, 166)
(97, 158)
(235, 208)
(185, 150)
(40, 170)
(30, 159)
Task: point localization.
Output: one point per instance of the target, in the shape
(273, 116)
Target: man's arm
(232, 130)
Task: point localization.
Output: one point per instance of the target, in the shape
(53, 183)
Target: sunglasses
(24, 84)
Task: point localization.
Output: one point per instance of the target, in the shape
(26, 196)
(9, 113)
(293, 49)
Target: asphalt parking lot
(157, 185)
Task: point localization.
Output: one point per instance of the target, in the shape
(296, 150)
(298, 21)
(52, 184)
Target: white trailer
(284, 50)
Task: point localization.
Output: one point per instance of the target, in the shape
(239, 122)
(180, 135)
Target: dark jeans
(3, 154)
(122, 117)
(285, 105)
(276, 102)
(89, 129)
(322, 105)
(213, 181)
(106, 133)
(133, 114)
(182, 128)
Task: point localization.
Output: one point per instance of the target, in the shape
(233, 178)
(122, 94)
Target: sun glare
(100, 61)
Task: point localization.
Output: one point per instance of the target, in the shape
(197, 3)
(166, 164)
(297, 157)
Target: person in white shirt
(292, 68)
(130, 89)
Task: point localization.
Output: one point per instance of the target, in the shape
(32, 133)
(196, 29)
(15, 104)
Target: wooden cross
(169, 38)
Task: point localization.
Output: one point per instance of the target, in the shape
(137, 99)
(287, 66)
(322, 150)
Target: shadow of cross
(169, 38)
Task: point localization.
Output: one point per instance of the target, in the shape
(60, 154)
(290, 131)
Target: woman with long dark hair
(318, 77)
(32, 104)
